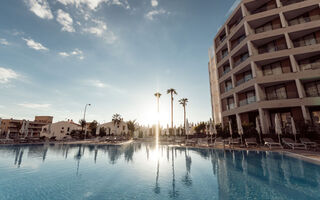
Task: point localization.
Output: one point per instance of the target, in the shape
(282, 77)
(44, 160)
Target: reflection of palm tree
(20, 158)
(78, 158)
(157, 187)
(95, 154)
(128, 154)
(186, 179)
(173, 193)
(44, 155)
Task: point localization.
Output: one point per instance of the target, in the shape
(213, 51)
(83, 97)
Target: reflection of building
(115, 128)
(59, 130)
(14, 125)
(267, 61)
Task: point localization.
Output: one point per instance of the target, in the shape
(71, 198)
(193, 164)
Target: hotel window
(245, 76)
(300, 19)
(312, 89)
(251, 97)
(226, 69)
(307, 40)
(228, 85)
(272, 69)
(316, 117)
(310, 63)
(230, 103)
(264, 28)
(224, 53)
(222, 38)
(244, 56)
(276, 92)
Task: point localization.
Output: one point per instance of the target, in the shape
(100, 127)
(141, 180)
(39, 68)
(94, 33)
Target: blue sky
(58, 55)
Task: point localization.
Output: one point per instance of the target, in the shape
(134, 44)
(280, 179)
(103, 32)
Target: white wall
(59, 129)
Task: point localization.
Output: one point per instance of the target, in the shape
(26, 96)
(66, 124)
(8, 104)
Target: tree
(82, 123)
(184, 102)
(103, 132)
(131, 126)
(172, 92)
(116, 119)
(93, 127)
(200, 128)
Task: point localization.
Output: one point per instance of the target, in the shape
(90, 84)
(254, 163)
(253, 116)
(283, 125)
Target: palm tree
(184, 102)
(83, 123)
(132, 126)
(172, 92)
(116, 118)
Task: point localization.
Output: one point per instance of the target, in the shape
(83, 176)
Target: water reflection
(178, 171)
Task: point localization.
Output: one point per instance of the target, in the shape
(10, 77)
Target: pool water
(146, 171)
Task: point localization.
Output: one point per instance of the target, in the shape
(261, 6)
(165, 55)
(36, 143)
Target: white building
(115, 129)
(59, 129)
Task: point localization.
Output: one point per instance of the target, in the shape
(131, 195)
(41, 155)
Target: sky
(58, 55)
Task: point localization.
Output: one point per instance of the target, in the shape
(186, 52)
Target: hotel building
(14, 125)
(266, 60)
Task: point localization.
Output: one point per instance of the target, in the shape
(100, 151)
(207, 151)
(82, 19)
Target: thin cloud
(65, 20)
(102, 85)
(94, 4)
(4, 42)
(35, 45)
(7, 74)
(100, 29)
(34, 105)
(151, 14)
(40, 8)
(75, 52)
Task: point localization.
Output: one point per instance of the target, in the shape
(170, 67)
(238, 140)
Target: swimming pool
(142, 171)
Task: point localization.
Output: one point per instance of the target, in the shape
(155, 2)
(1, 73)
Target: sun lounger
(293, 145)
(234, 141)
(308, 143)
(251, 142)
(192, 141)
(270, 143)
(218, 141)
(203, 142)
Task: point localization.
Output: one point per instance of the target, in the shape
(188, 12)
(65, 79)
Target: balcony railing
(263, 29)
(310, 66)
(237, 42)
(243, 80)
(247, 101)
(228, 88)
(274, 48)
(241, 60)
(233, 26)
(288, 2)
(302, 43)
(230, 106)
(226, 71)
(282, 95)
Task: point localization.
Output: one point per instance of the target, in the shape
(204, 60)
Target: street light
(84, 119)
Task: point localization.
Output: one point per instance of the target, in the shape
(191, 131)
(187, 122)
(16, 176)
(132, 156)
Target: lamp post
(158, 95)
(84, 119)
